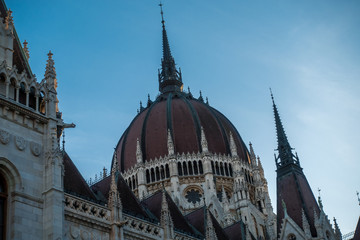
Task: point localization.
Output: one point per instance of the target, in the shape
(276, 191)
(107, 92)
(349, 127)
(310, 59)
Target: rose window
(193, 196)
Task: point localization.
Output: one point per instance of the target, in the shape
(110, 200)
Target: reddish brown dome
(183, 115)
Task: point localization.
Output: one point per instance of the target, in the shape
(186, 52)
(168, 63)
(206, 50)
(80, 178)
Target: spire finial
(357, 193)
(162, 15)
(169, 77)
(286, 155)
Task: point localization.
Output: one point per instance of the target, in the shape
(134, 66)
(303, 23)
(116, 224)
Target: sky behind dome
(107, 54)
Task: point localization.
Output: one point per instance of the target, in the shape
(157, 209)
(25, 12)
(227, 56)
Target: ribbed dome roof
(184, 116)
(180, 114)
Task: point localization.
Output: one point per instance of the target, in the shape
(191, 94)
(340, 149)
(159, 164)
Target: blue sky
(107, 54)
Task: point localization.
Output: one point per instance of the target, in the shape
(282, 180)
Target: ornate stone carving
(20, 143)
(4, 137)
(81, 206)
(35, 148)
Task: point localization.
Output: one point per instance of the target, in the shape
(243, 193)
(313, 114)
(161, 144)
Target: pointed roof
(236, 231)
(169, 77)
(357, 231)
(181, 224)
(198, 219)
(129, 202)
(292, 186)
(74, 183)
(19, 56)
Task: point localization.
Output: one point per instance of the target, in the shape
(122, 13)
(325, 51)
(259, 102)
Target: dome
(181, 115)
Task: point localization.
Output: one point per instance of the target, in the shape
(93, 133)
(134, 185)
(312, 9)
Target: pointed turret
(169, 77)
(165, 218)
(306, 226)
(210, 230)
(252, 155)
(292, 185)
(114, 201)
(170, 144)
(138, 152)
(233, 148)
(50, 72)
(204, 144)
(337, 231)
(26, 49)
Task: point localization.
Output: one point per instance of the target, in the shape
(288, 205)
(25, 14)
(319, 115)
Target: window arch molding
(11, 175)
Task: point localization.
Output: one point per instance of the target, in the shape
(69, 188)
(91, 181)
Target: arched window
(133, 182)
(157, 173)
(217, 168)
(130, 184)
(230, 170)
(201, 168)
(32, 98)
(185, 169)
(152, 175)
(190, 168)
(180, 169)
(147, 176)
(221, 169)
(291, 237)
(42, 104)
(162, 172)
(2, 85)
(22, 94)
(3, 200)
(12, 89)
(226, 169)
(196, 172)
(167, 171)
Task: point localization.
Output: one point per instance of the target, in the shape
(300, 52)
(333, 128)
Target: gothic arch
(11, 175)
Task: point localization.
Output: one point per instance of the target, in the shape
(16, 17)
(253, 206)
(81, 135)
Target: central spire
(169, 77)
(284, 149)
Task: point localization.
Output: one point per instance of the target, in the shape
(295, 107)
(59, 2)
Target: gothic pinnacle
(26, 49)
(169, 77)
(8, 19)
(50, 67)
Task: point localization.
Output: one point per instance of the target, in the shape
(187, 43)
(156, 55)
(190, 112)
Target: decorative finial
(8, 19)
(319, 200)
(63, 141)
(207, 100)
(162, 15)
(201, 97)
(50, 67)
(26, 49)
(357, 193)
